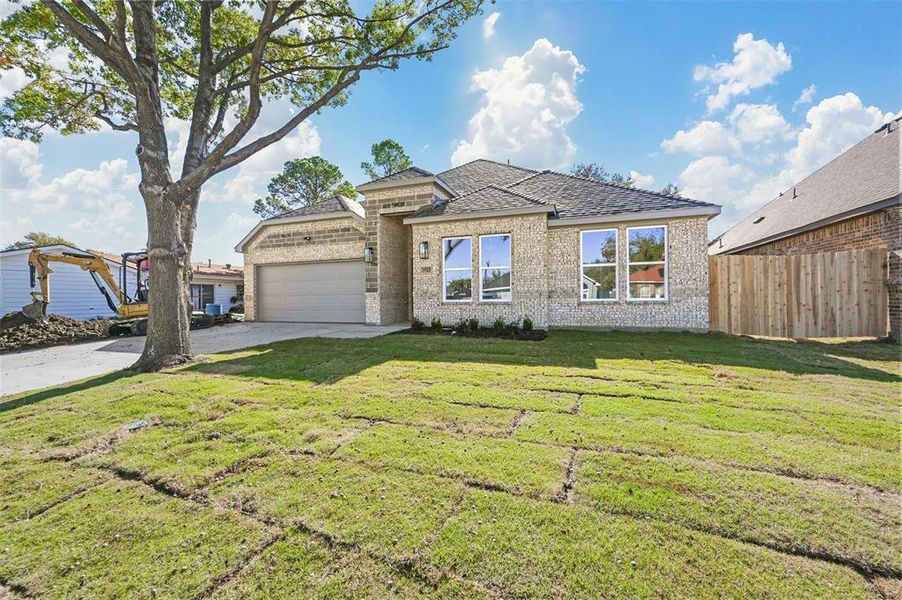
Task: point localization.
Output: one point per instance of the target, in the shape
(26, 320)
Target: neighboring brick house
(851, 203)
(485, 240)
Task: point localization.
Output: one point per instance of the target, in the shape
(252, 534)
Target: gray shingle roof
(334, 204)
(863, 175)
(488, 198)
(576, 197)
(479, 173)
(408, 173)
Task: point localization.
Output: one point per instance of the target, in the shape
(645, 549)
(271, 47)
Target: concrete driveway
(34, 369)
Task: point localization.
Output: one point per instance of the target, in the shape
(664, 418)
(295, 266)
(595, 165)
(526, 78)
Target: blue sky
(707, 95)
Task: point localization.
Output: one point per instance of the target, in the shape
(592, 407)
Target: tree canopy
(597, 172)
(303, 182)
(388, 157)
(38, 238)
(671, 189)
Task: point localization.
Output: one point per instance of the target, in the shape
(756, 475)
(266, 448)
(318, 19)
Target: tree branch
(127, 126)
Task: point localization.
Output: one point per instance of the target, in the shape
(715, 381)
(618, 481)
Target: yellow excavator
(131, 308)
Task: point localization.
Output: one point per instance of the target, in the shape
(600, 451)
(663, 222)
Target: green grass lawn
(588, 465)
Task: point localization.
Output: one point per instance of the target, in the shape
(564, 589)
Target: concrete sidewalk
(34, 369)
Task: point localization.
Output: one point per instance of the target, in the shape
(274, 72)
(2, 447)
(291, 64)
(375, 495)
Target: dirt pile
(18, 333)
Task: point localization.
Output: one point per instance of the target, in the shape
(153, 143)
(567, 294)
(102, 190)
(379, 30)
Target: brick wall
(330, 239)
(877, 230)
(529, 282)
(687, 271)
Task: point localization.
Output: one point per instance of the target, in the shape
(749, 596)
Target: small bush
(527, 325)
(436, 323)
(416, 323)
(473, 324)
(498, 324)
(514, 326)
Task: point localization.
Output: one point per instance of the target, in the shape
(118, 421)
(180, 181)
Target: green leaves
(303, 182)
(388, 157)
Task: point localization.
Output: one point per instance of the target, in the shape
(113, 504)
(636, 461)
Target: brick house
(485, 240)
(851, 203)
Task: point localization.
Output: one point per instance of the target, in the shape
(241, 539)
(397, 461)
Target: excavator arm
(39, 263)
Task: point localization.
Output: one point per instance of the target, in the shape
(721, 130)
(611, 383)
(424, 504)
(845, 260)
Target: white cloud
(249, 179)
(10, 81)
(21, 156)
(642, 181)
(488, 25)
(708, 137)
(714, 179)
(757, 123)
(755, 63)
(529, 102)
(806, 97)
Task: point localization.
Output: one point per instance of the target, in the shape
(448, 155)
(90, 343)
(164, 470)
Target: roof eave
(709, 211)
(849, 214)
(481, 214)
(382, 185)
(300, 219)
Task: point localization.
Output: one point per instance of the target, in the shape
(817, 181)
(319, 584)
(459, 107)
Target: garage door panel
(315, 292)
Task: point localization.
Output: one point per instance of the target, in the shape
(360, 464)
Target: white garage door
(317, 292)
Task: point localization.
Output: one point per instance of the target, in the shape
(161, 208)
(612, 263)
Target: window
(201, 295)
(457, 269)
(598, 264)
(647, 263)
(495, 268)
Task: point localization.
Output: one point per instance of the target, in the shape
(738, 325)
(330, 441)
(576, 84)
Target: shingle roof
(334, 204)
(479, 173)
(865, 174)
(576, 197)
(408, 173)
(488, 198)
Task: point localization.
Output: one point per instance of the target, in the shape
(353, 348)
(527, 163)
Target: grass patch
(487, 395)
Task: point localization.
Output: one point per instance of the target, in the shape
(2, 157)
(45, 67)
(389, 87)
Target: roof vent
(228, 266)
(758, 220)
(209, 262)
(795, 194)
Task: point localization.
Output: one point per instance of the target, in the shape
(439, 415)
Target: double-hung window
(495, 268)
(598, 264)
(647, 263)
(457, 269)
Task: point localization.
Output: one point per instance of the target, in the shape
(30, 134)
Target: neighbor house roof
(335, 207)
(653, 274)
(486, 188)
(862, 179)
(213, 270)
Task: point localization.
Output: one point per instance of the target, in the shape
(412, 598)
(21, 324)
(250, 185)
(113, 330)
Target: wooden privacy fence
(833, 294)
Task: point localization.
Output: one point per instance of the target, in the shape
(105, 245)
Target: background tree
(672, 190)
(133, 64)
(303, 182)
(38, 238)
(388, 157)
(597, 172)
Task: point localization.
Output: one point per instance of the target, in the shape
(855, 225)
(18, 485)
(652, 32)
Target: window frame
(614, 265)
(509, 267)
(445, 270)
(666, 261)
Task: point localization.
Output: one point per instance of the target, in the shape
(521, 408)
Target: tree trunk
(168, 343)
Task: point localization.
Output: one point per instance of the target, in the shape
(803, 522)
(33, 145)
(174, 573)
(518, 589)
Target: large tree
(388, 157)
(131, 65)
(303, 182)
(38, 238)
(597, 172)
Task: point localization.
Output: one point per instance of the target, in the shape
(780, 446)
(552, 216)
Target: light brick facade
(307, 241)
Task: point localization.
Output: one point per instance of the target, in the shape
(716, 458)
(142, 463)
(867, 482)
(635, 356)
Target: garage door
(317, 292)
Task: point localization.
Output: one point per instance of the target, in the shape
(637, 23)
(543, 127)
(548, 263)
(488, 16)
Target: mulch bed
(17, 333)
(536, 335)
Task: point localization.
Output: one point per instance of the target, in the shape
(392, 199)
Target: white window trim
(508, 267)
(666, 298)
(614, 265)
(453, 269)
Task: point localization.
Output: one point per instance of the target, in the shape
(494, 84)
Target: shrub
(436, 323)
(527, 325)
(473, 324)
(416, 323)
(514, 326)
(498, 324)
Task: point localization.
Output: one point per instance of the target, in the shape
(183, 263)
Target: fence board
(809, 295)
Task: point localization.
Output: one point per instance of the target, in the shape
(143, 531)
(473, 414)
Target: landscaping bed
(16, 334)
(472, 329)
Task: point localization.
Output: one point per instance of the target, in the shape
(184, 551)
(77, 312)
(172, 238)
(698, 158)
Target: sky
(733, 102)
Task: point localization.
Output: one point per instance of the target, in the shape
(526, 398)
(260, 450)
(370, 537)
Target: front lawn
(587, 465)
